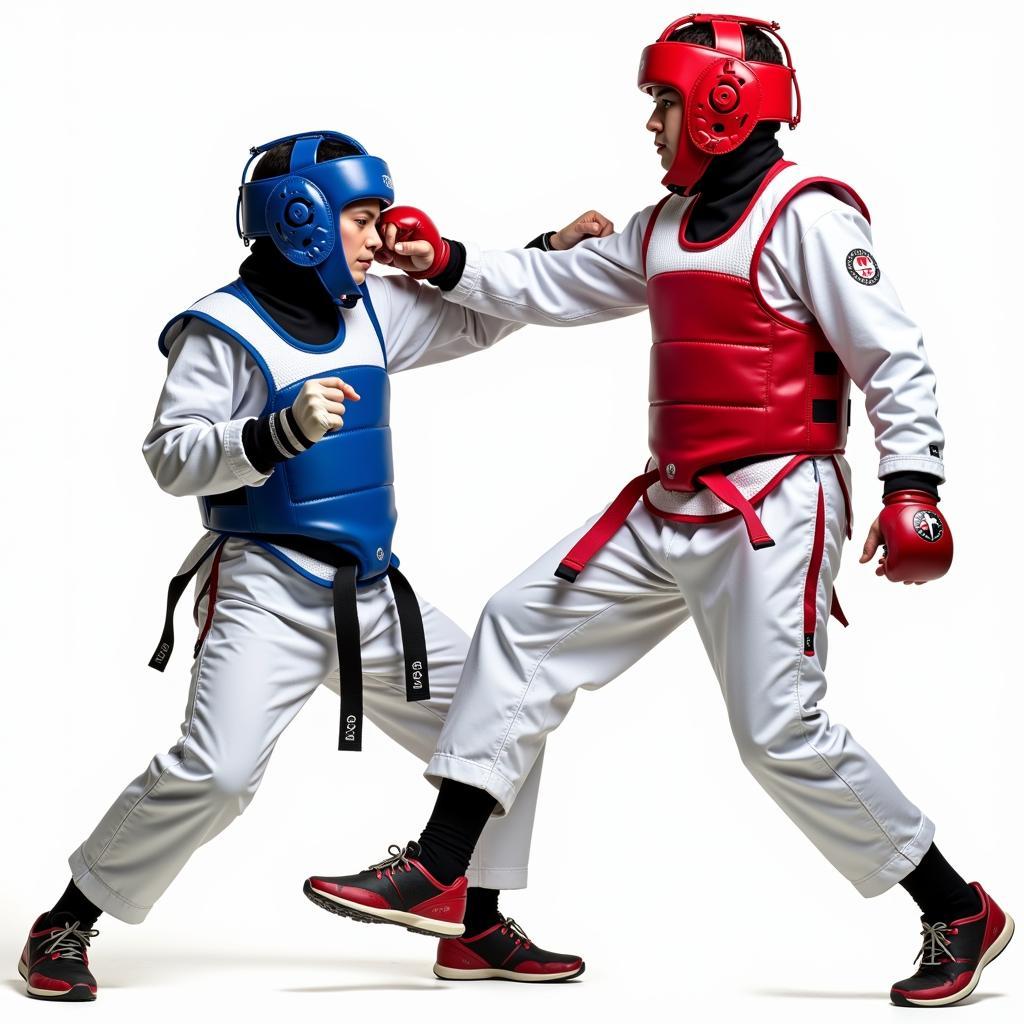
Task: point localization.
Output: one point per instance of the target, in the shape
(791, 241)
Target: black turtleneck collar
(292, 296)
(729, 183)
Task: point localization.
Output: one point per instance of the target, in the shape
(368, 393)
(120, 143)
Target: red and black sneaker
(954, 955)
(55, 963)
(399, 890)
(503, 951)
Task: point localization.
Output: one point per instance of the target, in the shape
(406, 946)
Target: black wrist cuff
(452, 274)
(911, 481)
(259, 446)
(542, 241)
(266, 442)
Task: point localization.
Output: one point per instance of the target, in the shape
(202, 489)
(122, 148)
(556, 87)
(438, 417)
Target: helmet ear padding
(300, 222)
(723, 106)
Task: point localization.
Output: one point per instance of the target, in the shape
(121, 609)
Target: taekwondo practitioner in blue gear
(275, 415)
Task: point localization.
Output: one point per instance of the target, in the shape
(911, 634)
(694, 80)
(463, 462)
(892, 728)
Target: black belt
(346, 629)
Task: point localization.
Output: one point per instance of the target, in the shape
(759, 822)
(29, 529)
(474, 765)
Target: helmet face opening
(299, 210)
(724, 96)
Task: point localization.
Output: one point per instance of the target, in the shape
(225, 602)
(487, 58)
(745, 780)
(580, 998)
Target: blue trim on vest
(221, 326)
(364, 289)
(312, 577)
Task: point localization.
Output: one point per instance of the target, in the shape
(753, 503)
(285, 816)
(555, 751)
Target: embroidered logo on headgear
(862, 267)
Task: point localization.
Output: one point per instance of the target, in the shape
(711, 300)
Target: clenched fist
(412, 242)
(320, 406)
(916, 539)
(588, 225)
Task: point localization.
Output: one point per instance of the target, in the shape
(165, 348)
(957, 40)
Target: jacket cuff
(237, 460)
(912, 464)
(470, 275)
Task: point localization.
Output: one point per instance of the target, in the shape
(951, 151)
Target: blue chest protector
(340, 491)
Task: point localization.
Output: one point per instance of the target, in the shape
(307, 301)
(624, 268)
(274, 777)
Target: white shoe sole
(426, 925)
(990, 954)
(484, 973)
(45, 993)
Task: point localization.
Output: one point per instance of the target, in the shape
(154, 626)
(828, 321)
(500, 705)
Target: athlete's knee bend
(502, 609)
(235, 783)
(767, 751)
(791, 747)
(229, 781)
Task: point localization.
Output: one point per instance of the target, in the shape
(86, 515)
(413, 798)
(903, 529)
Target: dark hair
(757, 45)
(276, 161)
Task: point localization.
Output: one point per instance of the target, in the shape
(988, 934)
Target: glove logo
(861, 266)
(927, 525)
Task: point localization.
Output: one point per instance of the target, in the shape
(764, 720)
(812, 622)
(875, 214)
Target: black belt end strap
(175, 589)
(350, 662)
(414, 644)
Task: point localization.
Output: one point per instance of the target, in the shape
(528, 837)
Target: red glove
(918, 542)
(414, 226)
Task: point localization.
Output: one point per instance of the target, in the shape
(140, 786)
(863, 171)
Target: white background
(125, 128)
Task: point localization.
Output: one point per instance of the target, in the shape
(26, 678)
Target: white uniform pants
(270, 644)
(540, 639)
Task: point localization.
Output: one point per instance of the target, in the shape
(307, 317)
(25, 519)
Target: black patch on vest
(826, 363)
(823, 410)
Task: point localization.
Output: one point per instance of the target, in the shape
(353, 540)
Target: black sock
(454, 828)
(75, 906)
(481, 910)
(939, 891)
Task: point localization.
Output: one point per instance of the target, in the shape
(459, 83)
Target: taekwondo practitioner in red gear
(274, 413)
(765, 298)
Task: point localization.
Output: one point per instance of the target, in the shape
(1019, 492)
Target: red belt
(618, 511)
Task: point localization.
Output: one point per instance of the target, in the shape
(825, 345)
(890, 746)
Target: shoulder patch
(862, 266)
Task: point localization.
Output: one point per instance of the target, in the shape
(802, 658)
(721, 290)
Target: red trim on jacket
(813, 569)
(211, 588)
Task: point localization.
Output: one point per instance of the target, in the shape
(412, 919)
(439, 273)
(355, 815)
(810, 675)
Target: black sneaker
(55, 961)
(503, 951)
(953, 956)
(399, 890)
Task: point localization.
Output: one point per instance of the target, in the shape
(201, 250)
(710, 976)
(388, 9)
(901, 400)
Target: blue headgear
(299, 210)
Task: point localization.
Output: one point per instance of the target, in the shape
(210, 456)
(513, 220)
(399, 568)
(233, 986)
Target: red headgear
(725, 96)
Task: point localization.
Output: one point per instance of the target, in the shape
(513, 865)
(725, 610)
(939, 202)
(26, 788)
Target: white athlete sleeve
(420, 328)
(878, 343)
(213, 386)
(599, 279)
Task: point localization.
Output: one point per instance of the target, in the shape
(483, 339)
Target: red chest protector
(731, 378)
